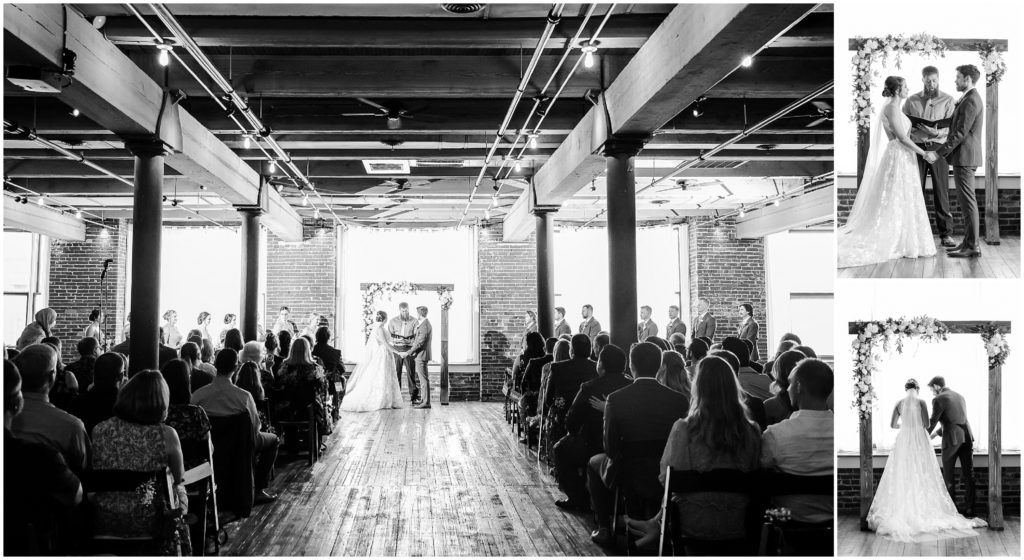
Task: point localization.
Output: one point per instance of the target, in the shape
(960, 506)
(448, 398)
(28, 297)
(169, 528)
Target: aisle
(449, 481)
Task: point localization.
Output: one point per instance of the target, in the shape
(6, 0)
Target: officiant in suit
(402, 328)
(933, 105)
(646, 327)
(962, 149)
(420, 353)
(949, 411)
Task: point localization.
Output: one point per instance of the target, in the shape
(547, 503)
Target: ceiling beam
(113, 92)
(797, 212)
(621, 32)
(696, 47)
(42, 220)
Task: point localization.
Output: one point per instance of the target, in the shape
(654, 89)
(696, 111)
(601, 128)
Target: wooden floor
(854, 542)
(449, 481)
(996, 261)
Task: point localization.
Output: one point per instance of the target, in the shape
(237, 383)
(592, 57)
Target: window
(24, 281)
(429, 256)
(799, 272)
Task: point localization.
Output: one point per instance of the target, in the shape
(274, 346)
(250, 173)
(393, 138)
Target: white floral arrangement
(879, 49)
(992, 63)
(996, 346)
(445, 295)
(388, 289)
(870, 335)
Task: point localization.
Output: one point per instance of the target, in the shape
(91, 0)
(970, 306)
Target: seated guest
(636, 417)
(717, 434)
(194, 333)
(284, 341)
(566, 336)
(222, 398)
(40, 491)
(165, 353)
(803, 443)
(661, 343)
(88, 350)
(302, 383)
(125, 346)
(753, 383)
(672, 373)
(40, 421)
(136, 439)
(199, 372)
(600, 341)
(754, 405)
(188, 420)
(752, 351)
(534, 349)
(805, 350)
(560, 353)
(778, 408)
(791, 336)
(270, 346)
(678, 342)
(252, 351)
(783, 346)
(531, 385)
(248, 379)
(97, 404)
(38, 329)
(233, 340)
(329, 355)
(584, 423)
(206, 354)
(565, 381)
(230, 322)
(707, 340)
(65, 387)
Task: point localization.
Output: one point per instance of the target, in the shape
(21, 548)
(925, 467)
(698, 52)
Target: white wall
(799, 271)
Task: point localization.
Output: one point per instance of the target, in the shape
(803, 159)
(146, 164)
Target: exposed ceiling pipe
(554, 16)
(747, 132)
(74, 209)
(14, 129)
(256, 127)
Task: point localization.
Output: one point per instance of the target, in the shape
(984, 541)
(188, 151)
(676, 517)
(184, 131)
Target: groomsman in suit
(963, 151)
(749, 328)
(647, 327)
(705, 323)
(949, 410)
(933, 105)
(561, 326)
(590, 326)
(675, 324)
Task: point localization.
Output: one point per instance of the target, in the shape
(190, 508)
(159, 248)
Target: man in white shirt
(933, 105)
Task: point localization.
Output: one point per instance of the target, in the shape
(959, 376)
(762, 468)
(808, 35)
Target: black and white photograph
(419, 279)
(927, 156)
(928, 432)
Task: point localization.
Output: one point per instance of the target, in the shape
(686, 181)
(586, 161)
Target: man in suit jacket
(963, 151)
(584, 423)
(590, 326)
(637, 422)
(749, 328)
(675, 324)
(647, 327)
(566, 377)
(420, 352)
(949, 409)
(705, 323)
(561, 326)
(531, 387)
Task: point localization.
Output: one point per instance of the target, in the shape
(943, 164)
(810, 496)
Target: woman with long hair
(717, 434)
(303, 384)
(38, 329)
(778, 408)
(672, 373)
(233, 340)
(534, 348)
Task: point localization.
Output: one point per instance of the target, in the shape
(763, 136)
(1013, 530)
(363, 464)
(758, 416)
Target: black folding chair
(783, 536)
(683, 482)
(97, 482)
(200, 483)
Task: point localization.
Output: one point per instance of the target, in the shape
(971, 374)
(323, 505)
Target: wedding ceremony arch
(888, 336)
(373, 290)
(870, 51)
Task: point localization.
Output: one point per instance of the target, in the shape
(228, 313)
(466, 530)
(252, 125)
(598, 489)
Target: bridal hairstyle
(893, 84)
(203, 317)
(383, 315)
(911, 384)
(300, 353)
(719, 419)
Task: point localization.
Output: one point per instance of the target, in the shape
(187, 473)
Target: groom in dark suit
(950, 410)
(963, 151)
(420, 353)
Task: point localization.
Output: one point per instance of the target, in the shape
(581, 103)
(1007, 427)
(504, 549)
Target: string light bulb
(305, 199)
(246, 142)
(747, 61)
(75, 112)
(39, 201)
(518, 166)
(742, 212)
(272, 167)
(533, 140)
(589, 48)
(487, 214)
(775, 202)
(164, 54)
(78, 214)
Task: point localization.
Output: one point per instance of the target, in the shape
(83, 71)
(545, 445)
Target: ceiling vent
(462, 9)
(718, 164)
(386, 166)
(457, 163)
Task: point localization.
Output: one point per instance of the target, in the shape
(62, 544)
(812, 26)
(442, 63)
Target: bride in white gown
(912, 503)
(889, 219)
(373, 385)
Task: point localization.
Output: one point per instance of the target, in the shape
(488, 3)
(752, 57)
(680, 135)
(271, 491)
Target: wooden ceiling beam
(112, 91)
(44, 221)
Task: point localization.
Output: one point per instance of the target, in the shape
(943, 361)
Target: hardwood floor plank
(997, 261)
(852, 542)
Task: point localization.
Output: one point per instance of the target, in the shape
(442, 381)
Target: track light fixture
(164, 54)
(589, 48)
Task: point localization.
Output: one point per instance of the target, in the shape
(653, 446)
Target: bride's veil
(909, 413)
(868, 188)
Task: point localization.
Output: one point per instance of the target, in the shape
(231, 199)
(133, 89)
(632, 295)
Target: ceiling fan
(824, 114)
(393, 114)
(689, 185)
(401, 184)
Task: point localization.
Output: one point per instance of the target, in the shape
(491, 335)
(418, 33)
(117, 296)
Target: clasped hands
(930, 157)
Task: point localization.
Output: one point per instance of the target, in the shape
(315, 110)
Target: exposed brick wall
(508, 285)
(1009, 209)
(848, 489)
(727, 272)
(74, 282)
(302, 274)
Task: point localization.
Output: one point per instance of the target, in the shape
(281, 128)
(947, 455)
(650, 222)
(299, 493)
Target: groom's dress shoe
(965, 254)
(423, 405)
(947, 241)
(959, 247)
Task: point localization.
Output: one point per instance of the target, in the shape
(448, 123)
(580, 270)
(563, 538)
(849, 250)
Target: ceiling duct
(462, 9)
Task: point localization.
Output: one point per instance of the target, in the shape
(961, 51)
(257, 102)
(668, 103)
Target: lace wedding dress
(373, 385)
(889, 219)
(911, 503)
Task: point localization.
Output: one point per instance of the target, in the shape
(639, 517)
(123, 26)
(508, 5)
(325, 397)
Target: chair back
(234, 452)
(725, 481)
(98, 482)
